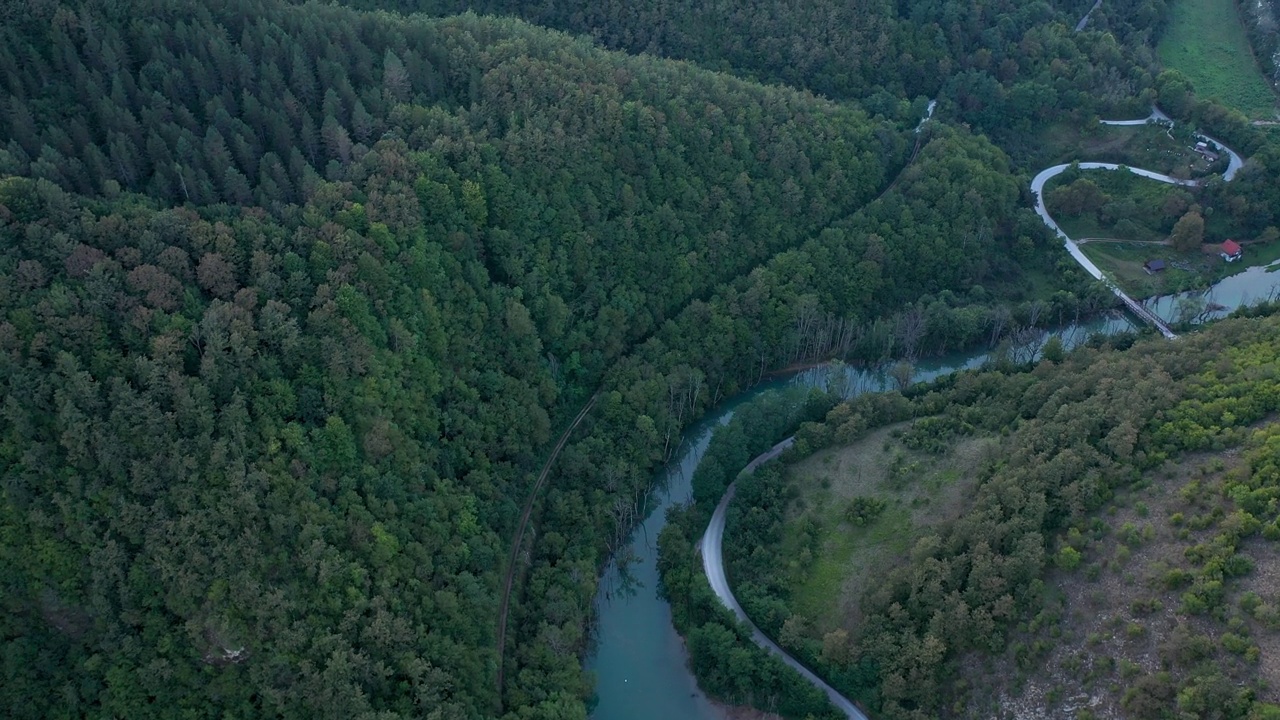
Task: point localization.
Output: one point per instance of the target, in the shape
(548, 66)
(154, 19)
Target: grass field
(1145, 146)
(1123, 262)
(1206, 42)
(920, 490)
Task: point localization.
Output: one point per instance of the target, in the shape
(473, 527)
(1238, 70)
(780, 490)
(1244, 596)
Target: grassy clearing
(1206, 42)
(1124, 260)
(919, 490)
(1145, 146)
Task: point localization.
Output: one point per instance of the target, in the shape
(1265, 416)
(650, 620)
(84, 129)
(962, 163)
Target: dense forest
(1102, 427)
(873, 49)
(296, 299)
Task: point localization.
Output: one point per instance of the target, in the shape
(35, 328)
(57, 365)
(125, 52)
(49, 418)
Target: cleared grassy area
(919, 490)
(1088, 227)
(1145, 146)
(1124, 261)
(1206, 42)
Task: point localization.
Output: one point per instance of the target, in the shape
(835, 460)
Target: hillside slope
(293, 300)
(1110, 554)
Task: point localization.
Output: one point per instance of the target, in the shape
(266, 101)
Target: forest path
(712, 547)
(1083, 241)
(518, 540)
(1085, 20)
(1073, 247)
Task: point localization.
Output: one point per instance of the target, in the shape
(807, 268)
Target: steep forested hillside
(610, 189)
(295, 299)
(857, 49)
(1007, 69)
(1145, 476)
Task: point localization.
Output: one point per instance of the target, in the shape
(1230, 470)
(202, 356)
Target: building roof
(1231, 247)
(1154, 265)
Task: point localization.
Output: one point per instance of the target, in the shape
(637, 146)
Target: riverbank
(1126, 265)
(1183, 271)
(1033, 530)
(637, 661)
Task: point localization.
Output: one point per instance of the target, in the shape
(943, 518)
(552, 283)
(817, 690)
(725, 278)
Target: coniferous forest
(297, 299)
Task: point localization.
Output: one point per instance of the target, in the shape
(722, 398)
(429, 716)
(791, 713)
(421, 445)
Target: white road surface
(713, 564)
(712, 544)
(1037, 186)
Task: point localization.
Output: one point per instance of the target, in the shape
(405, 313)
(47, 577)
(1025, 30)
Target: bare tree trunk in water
(999, 318)
(910, 330)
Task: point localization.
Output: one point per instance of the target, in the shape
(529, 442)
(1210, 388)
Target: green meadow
(1206, 42)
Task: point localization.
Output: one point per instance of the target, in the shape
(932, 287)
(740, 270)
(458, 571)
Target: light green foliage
(1206, 42)
(1068, 558)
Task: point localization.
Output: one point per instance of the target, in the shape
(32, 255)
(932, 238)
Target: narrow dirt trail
(518, 540)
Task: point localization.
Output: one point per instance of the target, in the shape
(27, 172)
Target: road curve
(1073, 248)
(1156, 116)
(712, 546)
(1037, 187)
(1234, 163)
(712, 543)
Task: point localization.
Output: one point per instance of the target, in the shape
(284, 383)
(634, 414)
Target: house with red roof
(1231, 251)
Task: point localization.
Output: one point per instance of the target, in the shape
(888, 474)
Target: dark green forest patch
(294, 299)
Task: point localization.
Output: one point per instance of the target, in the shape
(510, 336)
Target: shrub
(1068, 558)
(863, 511)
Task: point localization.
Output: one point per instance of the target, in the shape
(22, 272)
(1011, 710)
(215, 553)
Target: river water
(639, 660)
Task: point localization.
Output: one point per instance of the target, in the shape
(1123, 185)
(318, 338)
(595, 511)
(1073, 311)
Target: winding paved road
(1037, 186)
(712, 546)
(1235, 162)
(712, 543)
